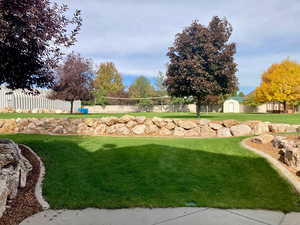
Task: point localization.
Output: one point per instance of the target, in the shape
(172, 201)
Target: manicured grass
(276, 118)
(114, 172)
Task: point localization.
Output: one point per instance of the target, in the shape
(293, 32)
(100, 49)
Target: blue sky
(136, 34)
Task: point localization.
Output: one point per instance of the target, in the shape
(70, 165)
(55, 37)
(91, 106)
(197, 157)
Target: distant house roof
(237, 98)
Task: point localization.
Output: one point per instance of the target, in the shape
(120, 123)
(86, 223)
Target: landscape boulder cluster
(14, 168)
(11, 110)
(288, 149)
(128, 125)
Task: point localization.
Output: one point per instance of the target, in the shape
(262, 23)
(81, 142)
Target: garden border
(38, 187)
(284, 172)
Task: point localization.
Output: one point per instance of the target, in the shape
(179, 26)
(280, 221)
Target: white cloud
(136, 34)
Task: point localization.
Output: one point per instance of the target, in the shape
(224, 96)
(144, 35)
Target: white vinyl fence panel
(19, 100)
(4, 99)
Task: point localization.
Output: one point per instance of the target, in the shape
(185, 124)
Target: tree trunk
(284, 107)
(198, 105)
(72, 103)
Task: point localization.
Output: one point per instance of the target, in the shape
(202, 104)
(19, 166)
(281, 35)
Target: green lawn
(276, 118)
(114, 172)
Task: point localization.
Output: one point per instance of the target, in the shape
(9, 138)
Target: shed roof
(237, 98)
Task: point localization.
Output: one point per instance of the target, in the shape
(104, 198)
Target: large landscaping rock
(206, 131)
(140, 119)
(151, 129)
(278, 128)
(170, 124)
(280, 142)
(291, 157)
(100, 129)
(258, 127)
(14, 168)
(139, 129)
(165, 132)
(122, 129)
(3, 196)
(215, 126)
(289, 151)
(292, 128)
(230, 123)
(261, 128)
(193, 132)
(241, 130)
(111, 129)
(263, 139)
(126, 119)
(159, 122)
(59, 130)
(109, 121)
(90, 122)
(179, 131)
(203, 122)
(224, 132)
(131, 124)
(186, 124)
(8, 126)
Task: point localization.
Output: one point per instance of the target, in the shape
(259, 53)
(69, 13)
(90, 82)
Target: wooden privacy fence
(19, 100)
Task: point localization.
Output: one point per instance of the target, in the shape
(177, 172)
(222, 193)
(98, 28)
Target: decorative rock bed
(288, 149)
(141, 126)
(14, 168)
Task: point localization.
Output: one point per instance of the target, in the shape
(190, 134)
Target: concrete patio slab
(167, 216)
(213, 217)
(266, 216)
(291, 219)
(103, 216)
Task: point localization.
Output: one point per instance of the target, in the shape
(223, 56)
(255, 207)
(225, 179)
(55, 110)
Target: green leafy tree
(141, 88)
(241, 94)
(180, 101)
(202, 63)
(108, 82)
(251, 100)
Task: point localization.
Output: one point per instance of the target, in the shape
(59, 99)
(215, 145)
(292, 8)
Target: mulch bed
(274, 152)
(25, 204)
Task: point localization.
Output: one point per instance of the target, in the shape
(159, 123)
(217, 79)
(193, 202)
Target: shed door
(231, 107)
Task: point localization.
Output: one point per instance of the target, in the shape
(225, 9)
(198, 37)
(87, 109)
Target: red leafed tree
(202, 63)
(73, 80)
(32, 34)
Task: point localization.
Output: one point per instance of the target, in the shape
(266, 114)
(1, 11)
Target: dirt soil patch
(25, 204)
(274, 152)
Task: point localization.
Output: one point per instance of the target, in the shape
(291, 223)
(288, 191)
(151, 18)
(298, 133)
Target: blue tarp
(83, 110)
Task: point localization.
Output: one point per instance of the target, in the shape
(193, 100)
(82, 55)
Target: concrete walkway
(169, 216)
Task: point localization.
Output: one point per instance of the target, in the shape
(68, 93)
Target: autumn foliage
(280, 83)
(108, 79)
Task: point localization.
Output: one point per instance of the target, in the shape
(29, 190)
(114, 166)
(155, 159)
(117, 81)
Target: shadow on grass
(155, 175)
